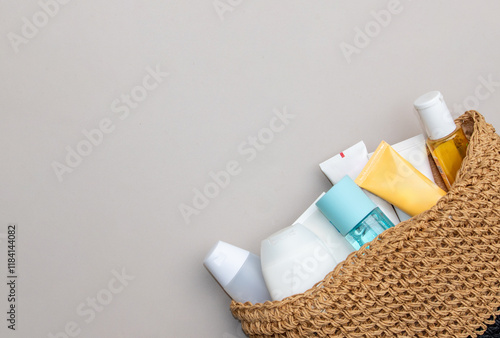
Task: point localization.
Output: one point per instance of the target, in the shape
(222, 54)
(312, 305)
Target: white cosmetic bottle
(293, 260)
(239, 273)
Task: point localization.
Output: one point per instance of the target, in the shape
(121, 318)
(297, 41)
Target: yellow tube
(394, 179)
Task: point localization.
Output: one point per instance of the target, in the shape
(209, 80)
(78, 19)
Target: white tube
(350, 162)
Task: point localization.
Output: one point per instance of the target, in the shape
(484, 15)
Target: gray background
(228, 73)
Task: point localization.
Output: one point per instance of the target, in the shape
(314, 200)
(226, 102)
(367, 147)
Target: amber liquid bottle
(446, 141)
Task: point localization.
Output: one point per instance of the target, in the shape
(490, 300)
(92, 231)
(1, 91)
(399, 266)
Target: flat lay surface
(136, 135)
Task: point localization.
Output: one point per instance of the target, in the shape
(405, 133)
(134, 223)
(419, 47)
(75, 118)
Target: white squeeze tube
(351, 162)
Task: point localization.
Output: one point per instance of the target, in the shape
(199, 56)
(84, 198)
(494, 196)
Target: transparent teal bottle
(354, 215)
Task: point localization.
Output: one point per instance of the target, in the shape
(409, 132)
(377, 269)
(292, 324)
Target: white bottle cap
(224, 261)
(435, 115)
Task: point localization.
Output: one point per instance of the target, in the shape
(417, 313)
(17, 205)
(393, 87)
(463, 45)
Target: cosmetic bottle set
(371, 193)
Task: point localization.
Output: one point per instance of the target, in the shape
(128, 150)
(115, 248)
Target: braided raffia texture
(437, 274)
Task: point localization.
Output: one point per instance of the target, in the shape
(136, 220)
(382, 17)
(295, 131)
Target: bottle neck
(437, 136)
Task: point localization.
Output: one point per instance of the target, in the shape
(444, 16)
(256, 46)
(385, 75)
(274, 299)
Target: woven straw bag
(437, 274)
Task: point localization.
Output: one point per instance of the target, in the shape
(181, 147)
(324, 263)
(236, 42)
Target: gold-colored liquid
(448, 153)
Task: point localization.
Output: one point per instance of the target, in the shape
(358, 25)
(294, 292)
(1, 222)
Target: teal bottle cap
(345, 205)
